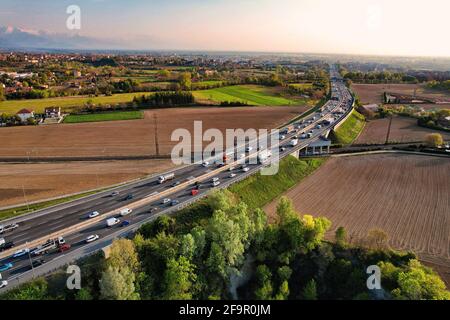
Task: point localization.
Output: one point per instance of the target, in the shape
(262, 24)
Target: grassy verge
(107, 116)
(258, 190)
(17, 211)
(350, 129)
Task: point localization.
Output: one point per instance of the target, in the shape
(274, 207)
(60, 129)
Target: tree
(123, 255)
(377, 239)
(185, 81)
(83, 294)
(310, 290)
(188, 247)
(178, 279)
(263, 278)
(2, 92)
(283, 292)
(434, 140)
(285, 211)
(117, 284)
(341, 236)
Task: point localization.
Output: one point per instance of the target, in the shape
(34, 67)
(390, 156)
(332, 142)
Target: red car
(194, 192)
(64, 247)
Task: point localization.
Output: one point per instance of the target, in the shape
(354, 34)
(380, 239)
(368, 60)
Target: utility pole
(25, 197)
(31, 261)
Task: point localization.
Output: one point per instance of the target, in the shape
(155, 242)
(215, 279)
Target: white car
(246, 169)
(166, 201)
(282, 137)
(21, 253)
(125, 212)
(232, 175)
(93, 214)
(92, 238)
(3, 284)
(115, 193)
(205, 164)
(215, 179)
(216, 183)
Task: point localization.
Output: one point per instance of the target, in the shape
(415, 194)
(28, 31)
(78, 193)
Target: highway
(40, 224)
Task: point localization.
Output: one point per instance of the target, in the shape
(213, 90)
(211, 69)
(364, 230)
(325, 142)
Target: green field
(258, 190)
(250, 94)
(350, 129)
(106, 116)
(66, 103)
(204, 84)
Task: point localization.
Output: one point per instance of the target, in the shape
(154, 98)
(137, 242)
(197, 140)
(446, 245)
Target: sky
(373, 27)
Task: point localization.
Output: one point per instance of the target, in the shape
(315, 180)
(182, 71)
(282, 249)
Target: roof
(25, 111)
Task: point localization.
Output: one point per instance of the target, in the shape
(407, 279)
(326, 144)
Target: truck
(112, 222)
(264, 155)
(49, 246)
(166, 177)
(8, 227)
(287, 130)
(294, 142)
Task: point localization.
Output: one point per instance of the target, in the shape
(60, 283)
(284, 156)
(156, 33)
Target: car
(6, 246)
(215, 179)
(232, 175)
(64, 248)
(125, 212)
(283, 149)
(205, 164)
(93, 214)
(245, 169)
(174, 202)
(3, 284)
(6, 266)
(153, 209)
(166, 201)
(129, 197)
(125, 223)
(115, 194)
(37, 263)
(175, 184)
(21, 253)
(92, 238)
(282, 137)
(216, 183)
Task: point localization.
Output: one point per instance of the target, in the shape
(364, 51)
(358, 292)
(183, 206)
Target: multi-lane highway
(62, 217)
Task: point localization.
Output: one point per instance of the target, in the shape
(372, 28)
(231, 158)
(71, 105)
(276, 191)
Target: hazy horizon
(354, 27)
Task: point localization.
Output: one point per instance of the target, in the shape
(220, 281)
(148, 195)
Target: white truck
(294, 142)
(264, 155)
(8, 227)
(166, 177)
(50, 245)
(112, 222)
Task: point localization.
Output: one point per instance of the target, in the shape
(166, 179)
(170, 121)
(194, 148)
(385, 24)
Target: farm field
(134, 137)
(403, 130)
(47, 180)
(249, 94)
(66, 103)
(373, 93)
(404, 195)
(106, 116)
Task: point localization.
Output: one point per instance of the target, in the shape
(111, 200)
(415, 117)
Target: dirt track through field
(407, 196)
(133, 137)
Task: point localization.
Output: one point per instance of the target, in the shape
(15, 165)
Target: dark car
(6, 246)
(38, 263)
(129, 197)
(175, 184)
(125, 223)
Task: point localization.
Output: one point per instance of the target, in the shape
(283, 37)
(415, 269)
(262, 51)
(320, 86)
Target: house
(52, 112)
(25, 114)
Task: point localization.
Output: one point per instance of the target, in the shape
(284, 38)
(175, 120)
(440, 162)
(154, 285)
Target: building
(25, 114)
(52, 112)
